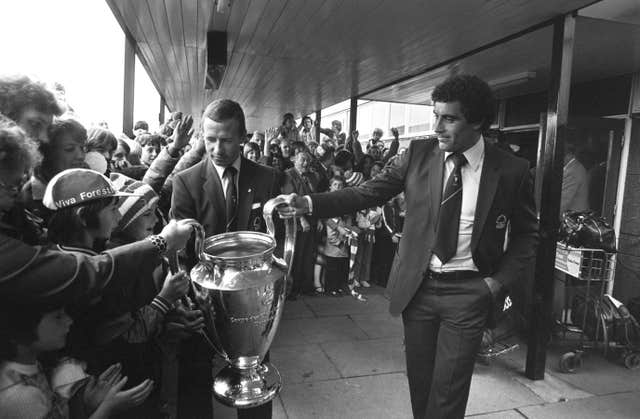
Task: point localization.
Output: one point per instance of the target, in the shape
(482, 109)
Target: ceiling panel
(300, 56)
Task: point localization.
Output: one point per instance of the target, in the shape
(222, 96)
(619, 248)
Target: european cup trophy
(240, 286)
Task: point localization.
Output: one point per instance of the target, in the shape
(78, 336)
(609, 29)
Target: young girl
(27, 333)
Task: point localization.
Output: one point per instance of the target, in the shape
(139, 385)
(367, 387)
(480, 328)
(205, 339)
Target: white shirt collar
(220, 169)
(474, 154)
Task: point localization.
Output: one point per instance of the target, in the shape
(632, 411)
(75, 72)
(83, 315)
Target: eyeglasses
(14, 189)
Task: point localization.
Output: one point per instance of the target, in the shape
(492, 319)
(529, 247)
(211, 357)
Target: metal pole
(541, 324)
(129, 86)
(163, 104)
(353, 115)
(317, 127)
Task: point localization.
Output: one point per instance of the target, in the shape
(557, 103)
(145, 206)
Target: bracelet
(159, 242)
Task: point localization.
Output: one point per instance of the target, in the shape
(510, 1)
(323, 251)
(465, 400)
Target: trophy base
(248, 387)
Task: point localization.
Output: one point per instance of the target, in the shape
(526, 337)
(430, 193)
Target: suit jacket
(197, 193)
(505, 198)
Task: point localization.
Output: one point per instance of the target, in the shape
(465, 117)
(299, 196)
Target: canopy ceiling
(301, 56)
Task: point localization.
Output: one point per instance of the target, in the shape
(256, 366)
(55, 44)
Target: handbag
(584, 229)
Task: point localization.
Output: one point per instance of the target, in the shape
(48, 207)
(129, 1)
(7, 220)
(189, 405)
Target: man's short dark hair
(225, 109)
(475, 97)
(20, 92)
(141, 125)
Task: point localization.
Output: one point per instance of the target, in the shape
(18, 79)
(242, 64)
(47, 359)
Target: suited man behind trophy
(451, 268)
(224, 192)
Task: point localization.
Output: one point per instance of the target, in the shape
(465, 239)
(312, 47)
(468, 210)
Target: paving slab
(357, 358)
(278, 409)
(304, 363)
(337, 306)
(552, 389)
(615, 406)
(597, 375)
(379, 325)
(496, 389)
(373, 397)
(316, 330)
(297, 309)
(505, 414)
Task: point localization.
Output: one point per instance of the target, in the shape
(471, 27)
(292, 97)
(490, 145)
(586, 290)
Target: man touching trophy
(238, 277)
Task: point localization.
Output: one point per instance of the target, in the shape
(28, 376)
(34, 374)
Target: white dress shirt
(223, 180)
(463, 259)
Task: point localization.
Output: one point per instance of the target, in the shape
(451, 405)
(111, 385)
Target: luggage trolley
(594, 269)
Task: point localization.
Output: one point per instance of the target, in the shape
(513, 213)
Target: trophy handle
(174, 260)
(290, 232)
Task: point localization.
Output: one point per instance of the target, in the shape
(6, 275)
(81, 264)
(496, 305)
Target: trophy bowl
(240, 286)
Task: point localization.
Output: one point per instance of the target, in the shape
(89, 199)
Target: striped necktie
(449, 215)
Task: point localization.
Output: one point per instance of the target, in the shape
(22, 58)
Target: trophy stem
(247, 386)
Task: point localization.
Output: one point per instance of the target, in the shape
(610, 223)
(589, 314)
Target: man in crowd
(29, 104)
(225, 192)
(461, 194)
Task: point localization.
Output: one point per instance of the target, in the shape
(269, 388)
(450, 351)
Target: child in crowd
(336, 248)
(151, 145)
(124, 322)
(28, 333)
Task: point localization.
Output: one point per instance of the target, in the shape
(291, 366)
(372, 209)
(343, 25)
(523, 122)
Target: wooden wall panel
(289, 55)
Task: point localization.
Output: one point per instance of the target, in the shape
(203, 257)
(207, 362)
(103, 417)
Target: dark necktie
(231, 196)
(449, 214)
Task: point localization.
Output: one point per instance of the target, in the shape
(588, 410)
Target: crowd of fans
(79, 206)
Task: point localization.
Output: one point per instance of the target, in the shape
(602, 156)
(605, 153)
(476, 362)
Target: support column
(317, 125)
(163, 105)
(353, 115)
(129, 86)
(541, 324)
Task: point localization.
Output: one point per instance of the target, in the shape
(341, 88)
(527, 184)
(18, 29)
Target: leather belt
(448, 276)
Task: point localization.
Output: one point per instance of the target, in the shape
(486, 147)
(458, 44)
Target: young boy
(337, 247)
(27, 333)
(124, 322)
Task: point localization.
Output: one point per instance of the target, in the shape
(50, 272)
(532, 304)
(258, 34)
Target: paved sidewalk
(342, 358)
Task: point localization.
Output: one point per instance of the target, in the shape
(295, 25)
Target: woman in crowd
(65, 150)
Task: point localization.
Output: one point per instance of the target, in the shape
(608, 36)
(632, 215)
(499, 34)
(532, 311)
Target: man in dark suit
(224, 192)
(300, 179)
(470, 230)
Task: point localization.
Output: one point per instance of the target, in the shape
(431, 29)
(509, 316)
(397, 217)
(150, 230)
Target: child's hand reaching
(174, 287)
(97, 388)
(118, 400)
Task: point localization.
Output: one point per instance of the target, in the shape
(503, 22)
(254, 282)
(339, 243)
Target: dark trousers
(443, 326)
(304, 260)
(336, 273)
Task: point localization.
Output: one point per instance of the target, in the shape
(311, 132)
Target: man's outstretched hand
(296, 205)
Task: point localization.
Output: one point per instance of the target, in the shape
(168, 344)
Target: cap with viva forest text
(78, 186)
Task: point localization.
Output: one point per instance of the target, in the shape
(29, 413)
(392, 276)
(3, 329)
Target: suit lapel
(245, 192)
(435, 167)
(486, 192)
(213, 197)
